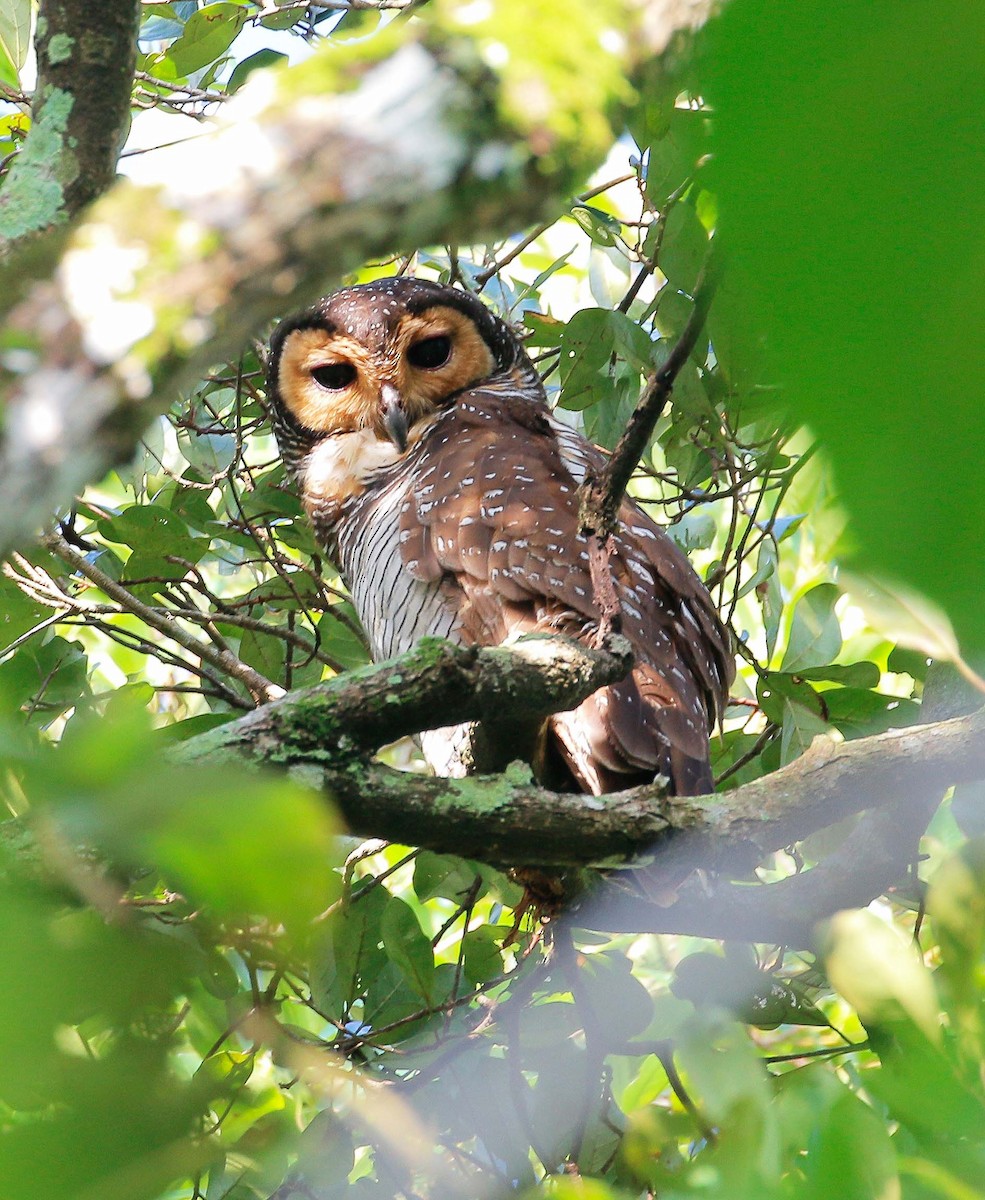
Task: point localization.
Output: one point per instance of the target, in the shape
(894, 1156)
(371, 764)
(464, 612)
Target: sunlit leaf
(877, 971)
(15, 30)
(904, 616)
(208, 33)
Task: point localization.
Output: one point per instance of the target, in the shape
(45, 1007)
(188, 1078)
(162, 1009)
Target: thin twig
(602, 496)
(259, 687)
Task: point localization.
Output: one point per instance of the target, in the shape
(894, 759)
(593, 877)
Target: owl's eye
(430, 352)
(334, 376)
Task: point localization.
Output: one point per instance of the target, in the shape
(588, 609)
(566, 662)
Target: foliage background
(238, 1021)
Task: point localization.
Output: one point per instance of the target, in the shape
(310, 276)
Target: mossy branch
(332, 729)
(86, 54)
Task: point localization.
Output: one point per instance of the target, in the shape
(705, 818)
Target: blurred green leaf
(757, 997)
(619, 1002)
(684, 247)
(956, 903)
(722, 1066)
(875, 333)
(241, 843)
(877, 971)
(674, 156)
(851, 1155)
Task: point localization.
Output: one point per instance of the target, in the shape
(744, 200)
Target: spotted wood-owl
(446, 492)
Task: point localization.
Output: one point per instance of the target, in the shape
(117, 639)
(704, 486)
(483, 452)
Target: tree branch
(86, 52)
(308, 172)
(508, 819)
(437, 683)
(602, 497)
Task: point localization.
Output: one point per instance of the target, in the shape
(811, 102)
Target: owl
(446, 492)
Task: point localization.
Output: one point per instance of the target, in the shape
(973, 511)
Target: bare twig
(260, 688)
(602, 496)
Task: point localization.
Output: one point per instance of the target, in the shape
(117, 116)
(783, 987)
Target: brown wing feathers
(494, 510)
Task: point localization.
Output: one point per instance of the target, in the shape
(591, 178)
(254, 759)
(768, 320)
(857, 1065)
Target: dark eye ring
(334, 376)
(430, 352)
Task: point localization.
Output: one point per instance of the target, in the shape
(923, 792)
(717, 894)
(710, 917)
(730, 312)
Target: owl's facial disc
(387, 378)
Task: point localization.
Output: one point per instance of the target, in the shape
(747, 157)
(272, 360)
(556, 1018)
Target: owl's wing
(492, 511)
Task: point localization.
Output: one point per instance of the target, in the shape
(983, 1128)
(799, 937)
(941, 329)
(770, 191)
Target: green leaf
(859, 713)
(684, 247)
(208, 34)
(258, 61)
(770, 593)
(263, 651)
(286, 18)
(815, 635)
(242, 844)
(45, 677)
(15, 30)
(793, 704)
(908, 662)
(326, 1152)
(968, 808)
(757, 997)
(903, 616)
(153, 531)
(602, 228)
(696, 530)
(349, 953)
(617, 999)
(588, 342)
(482, 950)
(18, 613)
(337, 639)
(723, 1066)
(956, 903)
(408, 948)
(443, 876)
(674, 157)
(857, 675)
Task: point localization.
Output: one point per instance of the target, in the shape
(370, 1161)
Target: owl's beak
(394, 416)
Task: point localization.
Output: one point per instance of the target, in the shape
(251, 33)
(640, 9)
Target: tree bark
(80, 116)
(328, 732)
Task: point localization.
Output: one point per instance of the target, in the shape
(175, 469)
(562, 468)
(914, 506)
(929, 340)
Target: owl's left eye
(430, 352)
(334, 376)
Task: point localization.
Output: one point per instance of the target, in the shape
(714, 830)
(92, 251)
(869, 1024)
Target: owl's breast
(395, 608)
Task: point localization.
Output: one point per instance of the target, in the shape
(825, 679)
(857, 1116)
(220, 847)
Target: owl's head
(382, 357)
